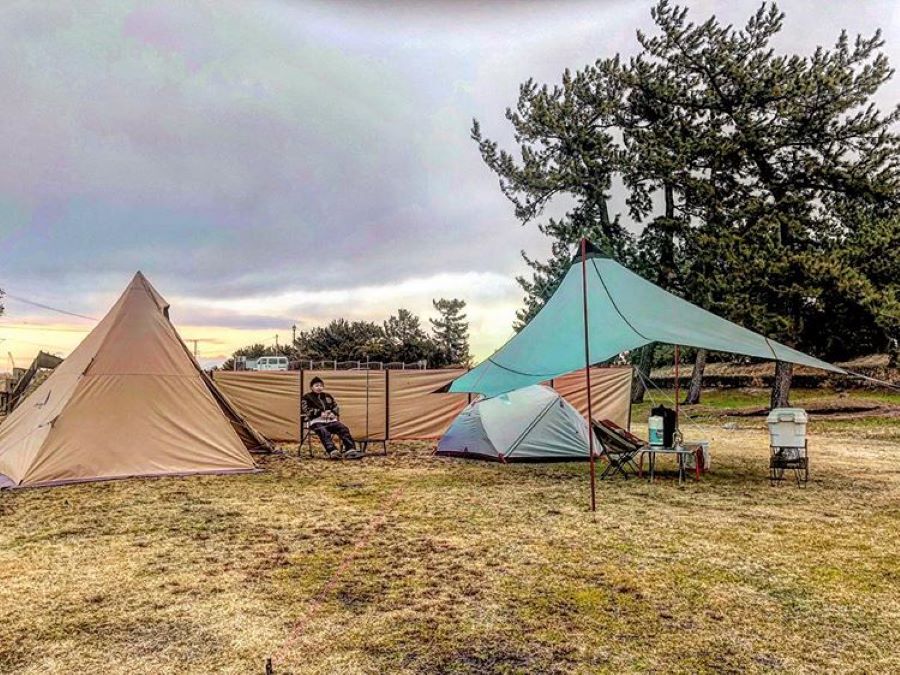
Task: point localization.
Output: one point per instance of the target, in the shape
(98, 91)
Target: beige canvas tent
(129, 401)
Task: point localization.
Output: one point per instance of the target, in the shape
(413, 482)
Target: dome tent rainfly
(532, 424)
(129, 401)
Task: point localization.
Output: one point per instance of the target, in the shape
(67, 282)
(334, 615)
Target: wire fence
(332, 364)
(356, 365)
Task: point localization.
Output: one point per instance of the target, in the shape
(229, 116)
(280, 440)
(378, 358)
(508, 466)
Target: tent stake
(587, 373)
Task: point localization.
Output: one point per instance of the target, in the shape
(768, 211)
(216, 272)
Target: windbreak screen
(415, 412)
(375, 404)
(611, 393)
(269, 401)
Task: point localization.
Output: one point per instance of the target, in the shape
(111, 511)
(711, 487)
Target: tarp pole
(630, 404)
(587, 372)
(677, 359)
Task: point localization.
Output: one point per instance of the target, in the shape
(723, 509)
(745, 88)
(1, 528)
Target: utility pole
(196, 342)
(276, 344)
(294, 334)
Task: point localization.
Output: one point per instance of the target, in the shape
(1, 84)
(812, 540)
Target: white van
(272, 363)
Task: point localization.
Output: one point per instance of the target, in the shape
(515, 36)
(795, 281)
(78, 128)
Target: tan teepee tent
(129, 401)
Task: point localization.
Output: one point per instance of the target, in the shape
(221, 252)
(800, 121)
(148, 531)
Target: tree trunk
(693, 394)
(669, 193)
(603, 209)
(644, 365)
(666, 273)
(781, 387)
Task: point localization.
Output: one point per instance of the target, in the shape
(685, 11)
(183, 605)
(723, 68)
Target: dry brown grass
(477, 568)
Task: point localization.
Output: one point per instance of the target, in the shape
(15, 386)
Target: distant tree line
(767, 185)
(400, 338)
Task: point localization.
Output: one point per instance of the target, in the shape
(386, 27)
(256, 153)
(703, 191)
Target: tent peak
(591, 251)
(141, 282)
(138, 280)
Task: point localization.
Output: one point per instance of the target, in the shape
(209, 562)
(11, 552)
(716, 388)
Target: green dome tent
(532, 424)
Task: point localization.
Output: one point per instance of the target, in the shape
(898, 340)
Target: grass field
(411, 563)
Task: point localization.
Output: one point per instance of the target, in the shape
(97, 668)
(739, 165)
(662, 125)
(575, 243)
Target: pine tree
(451, 332)
(857, 311)
(340, 340)
(567, 149)
(406, 340)
(791, 137)
(756, 157)
(671, 151)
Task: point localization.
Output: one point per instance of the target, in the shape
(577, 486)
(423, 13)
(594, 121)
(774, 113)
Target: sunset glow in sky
(271, 162)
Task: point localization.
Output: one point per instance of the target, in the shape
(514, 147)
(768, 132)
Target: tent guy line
(48, 307)
(613, 302)
(648, 383)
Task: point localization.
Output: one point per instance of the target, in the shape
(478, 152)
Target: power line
(52, 309)
(25, 325)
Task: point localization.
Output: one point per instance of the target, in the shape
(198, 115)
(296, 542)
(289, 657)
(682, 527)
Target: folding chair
(618, 446)
(306, 436)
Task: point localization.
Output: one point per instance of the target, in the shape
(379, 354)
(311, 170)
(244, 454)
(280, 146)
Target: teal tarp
(625, 312)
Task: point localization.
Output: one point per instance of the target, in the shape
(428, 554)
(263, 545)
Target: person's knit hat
(315, 381)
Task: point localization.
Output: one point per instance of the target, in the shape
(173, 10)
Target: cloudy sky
(272, 162)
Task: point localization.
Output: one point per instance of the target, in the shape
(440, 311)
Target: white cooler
(787, 436)
(787, 427)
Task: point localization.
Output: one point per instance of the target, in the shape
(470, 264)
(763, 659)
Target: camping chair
(619, 446)
(307, 434)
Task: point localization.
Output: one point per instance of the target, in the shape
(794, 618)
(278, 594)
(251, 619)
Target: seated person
(323, 417)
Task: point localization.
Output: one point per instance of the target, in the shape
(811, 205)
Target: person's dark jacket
(312, 405)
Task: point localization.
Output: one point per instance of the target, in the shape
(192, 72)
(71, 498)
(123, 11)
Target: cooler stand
(786, 458)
